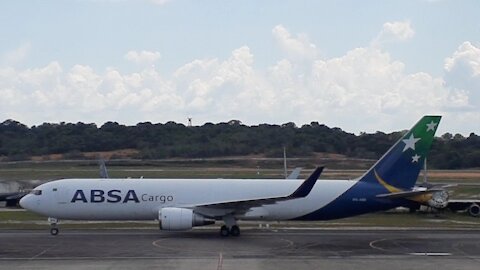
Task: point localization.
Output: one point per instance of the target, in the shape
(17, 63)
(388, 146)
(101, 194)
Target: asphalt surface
(254, 249)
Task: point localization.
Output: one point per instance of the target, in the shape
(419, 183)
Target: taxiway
(254, 249)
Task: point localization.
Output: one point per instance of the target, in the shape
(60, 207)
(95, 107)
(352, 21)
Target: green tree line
(156, 141)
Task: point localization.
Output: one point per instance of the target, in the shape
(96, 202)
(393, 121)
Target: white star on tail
(415, 158)
(431, 126)
(410, 143)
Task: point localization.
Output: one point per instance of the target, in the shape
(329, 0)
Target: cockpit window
(36, 192)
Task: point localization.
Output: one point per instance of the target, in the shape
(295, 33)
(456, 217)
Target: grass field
(198, 168)
(468, 180)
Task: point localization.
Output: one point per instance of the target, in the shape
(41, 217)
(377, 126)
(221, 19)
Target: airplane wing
(219, 209)
(295, 173)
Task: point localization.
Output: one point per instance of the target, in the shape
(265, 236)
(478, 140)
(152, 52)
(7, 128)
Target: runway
(254, 249)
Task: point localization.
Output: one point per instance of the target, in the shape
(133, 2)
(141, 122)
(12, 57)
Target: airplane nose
(25, 202)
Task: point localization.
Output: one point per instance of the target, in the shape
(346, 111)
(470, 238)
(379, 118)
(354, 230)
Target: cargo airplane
(181, 204)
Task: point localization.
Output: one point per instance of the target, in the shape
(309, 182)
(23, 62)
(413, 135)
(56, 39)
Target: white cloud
(394, 31)
(463, 73)
(160, 2)
(17, 55)
(466, 56)
(143, 57)
(298, 47)
(362, 90)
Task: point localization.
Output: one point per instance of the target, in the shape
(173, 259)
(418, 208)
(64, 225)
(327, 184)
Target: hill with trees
(170, 140)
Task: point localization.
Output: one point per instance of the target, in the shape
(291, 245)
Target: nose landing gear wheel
(53, 225)
(54, 231)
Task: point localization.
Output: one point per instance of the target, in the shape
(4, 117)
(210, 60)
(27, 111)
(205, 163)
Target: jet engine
(180, 219)
(474, 210)
(439, 199)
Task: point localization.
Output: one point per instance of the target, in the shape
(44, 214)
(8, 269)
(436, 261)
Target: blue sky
(359, 65)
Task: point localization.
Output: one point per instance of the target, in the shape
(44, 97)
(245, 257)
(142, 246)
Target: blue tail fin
(396, 171)
(399, 168)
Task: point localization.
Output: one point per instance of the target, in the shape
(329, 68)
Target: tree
(18, 142)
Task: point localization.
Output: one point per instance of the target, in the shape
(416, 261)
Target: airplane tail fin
(391, 177)
(399, 168)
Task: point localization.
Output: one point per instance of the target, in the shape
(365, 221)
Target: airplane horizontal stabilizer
(407, 194)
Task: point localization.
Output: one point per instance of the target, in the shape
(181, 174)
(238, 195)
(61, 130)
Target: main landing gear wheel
(54, 231)
(235, 230)
(224, 231)
(230, 227)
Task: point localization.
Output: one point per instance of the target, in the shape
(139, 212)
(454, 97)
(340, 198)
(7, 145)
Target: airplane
(436, 197)
(295, 173)
(181, 204)
(12, 198)
(103, 169)
(440, 199)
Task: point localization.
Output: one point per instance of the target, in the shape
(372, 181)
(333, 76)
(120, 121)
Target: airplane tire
(224, 232)
(53, 231)
(474, 210)
(235, 230)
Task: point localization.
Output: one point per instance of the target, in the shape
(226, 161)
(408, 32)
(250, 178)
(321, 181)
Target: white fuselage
(141, 199)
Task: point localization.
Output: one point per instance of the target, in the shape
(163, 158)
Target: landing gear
(54, 231)
(224, 231)
(230, 227)
(53, 226)
(235, 230)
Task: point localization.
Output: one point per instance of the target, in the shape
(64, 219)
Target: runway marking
(155, 243)
(158, 243)
(289, 242)
(39, 254)
(430, 254)
(220, 261)
(44, 251)
(372, 244)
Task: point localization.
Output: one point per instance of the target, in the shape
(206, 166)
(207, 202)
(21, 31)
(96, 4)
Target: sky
(363, 66)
